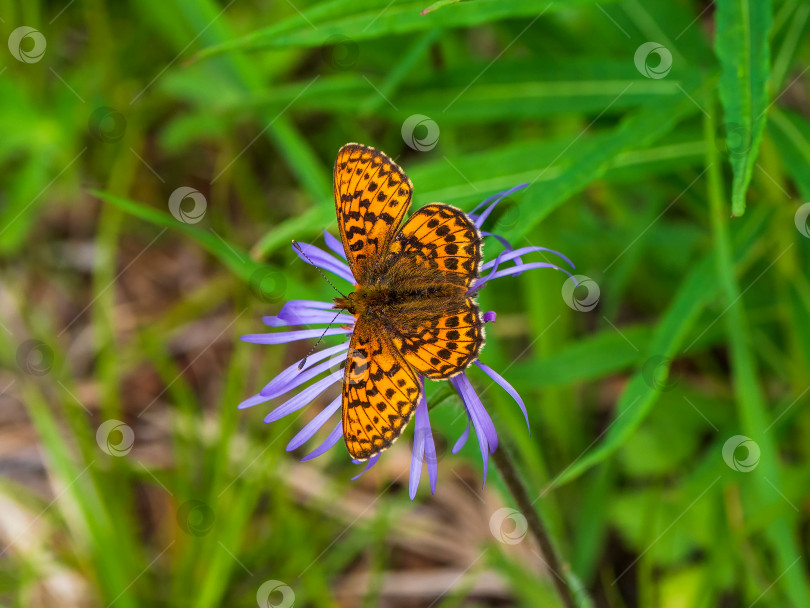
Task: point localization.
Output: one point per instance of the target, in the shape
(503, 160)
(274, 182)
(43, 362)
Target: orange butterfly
(415, 315)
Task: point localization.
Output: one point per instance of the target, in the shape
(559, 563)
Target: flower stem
(561, 575)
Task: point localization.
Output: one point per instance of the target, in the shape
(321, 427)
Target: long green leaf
(518, 89)
(366, 19)
(743, 47)
(585, 160)
(586, 360)
(472, 178)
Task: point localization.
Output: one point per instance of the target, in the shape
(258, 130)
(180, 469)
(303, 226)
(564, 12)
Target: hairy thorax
(423, 292)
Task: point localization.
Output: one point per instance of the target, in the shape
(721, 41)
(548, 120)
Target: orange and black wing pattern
(380, 392)
(443, 345)
(441, 337)
(441, 237)
(372, 196)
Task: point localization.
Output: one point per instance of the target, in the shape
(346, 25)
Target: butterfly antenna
(325, 278)
(312, 350)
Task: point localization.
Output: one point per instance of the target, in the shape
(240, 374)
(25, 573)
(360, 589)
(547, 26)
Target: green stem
(560, 570)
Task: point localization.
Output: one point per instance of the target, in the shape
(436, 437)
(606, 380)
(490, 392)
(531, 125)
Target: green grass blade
(231, 256)
(437, 5)
(796, 34)
(83, 501)
(366, 19)
(743, 48)
(697, 290)
(595, 156)
(792, 135)
(476, 176)
(754, 418)
(585, 360)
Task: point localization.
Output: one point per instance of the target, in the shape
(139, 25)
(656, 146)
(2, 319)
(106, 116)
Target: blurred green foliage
(637, 157)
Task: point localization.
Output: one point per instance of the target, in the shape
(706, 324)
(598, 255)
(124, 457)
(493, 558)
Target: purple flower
(324, 368)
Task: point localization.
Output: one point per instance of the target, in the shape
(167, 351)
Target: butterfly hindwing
(442, 345)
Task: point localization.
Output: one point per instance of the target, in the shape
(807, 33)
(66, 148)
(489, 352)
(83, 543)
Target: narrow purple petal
(509, 255)
(513, 270)
(497, 198)
(309, 318)
(490, 316)
(478, 413)
(484, 428)
(501, 381)
(424, 449)
(495, 265)
(499, 238)
(295, 306)
(304, 397)
(324, 261)
(334, 244)
(529, 266)
(283, 337)
(327, 444)
(474, 213)
(251, 401)
(371, 462)
(306, 312)
(314, 425)
(276, 388)
(463, 439)
(292, 373)
(506, 245)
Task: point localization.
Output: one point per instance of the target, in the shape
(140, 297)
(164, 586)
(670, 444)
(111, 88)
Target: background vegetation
(112, 309)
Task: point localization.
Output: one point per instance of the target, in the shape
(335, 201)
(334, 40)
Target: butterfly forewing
(441, 346)
(442, 237)
(380, 392)
(372, 196)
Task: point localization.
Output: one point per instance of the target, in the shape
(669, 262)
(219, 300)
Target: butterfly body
(396, 293)
(415, 315)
